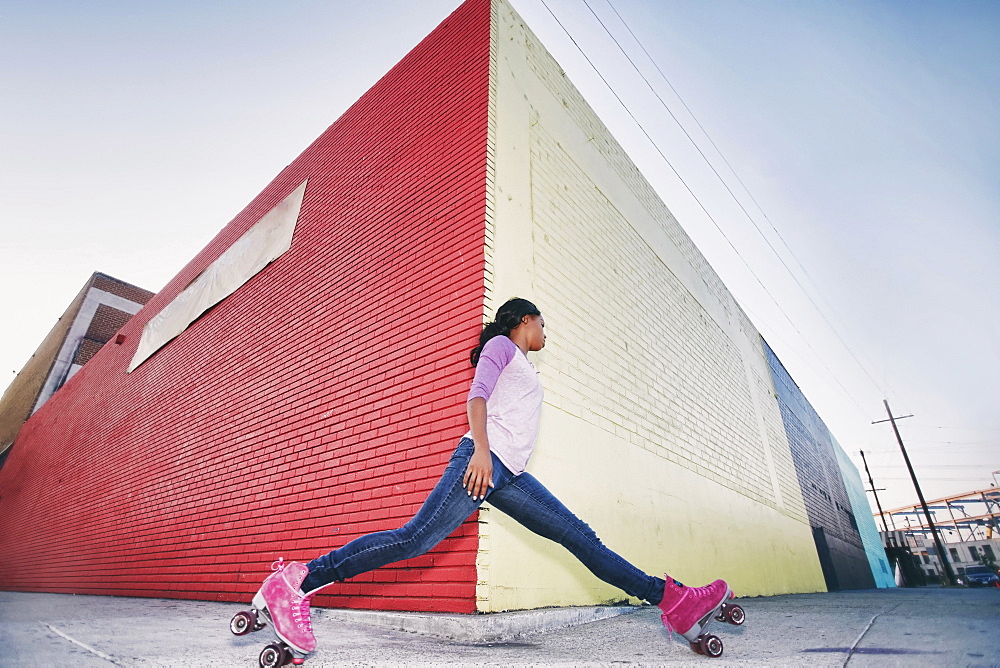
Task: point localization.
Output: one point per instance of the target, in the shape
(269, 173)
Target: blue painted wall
(867, 528)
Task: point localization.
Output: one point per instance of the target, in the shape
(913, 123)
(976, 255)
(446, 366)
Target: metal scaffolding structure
(978, 515)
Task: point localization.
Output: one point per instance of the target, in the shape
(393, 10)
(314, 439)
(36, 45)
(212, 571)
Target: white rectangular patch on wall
(262, 244)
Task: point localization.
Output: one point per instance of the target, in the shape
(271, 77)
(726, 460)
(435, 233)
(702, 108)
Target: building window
(974, 552)
(954, 553)
(988, 551)
(927, 559)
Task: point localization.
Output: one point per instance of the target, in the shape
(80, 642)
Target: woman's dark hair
(507, 318)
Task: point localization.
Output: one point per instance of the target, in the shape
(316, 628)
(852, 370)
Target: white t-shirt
(513, 393)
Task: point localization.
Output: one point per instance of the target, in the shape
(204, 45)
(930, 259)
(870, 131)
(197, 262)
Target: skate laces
(666, 623)
(674, 594)
(300, 601)
(673, 590)
(698, 592)
(665, 618)
(683, 593)
(300, 613)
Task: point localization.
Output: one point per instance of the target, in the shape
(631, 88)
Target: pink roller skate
(688, 610)
(283, 603)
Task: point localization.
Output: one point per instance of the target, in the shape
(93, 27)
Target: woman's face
(534, 329)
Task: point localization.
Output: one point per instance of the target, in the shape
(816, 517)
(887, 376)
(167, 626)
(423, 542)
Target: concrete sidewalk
(897, 627)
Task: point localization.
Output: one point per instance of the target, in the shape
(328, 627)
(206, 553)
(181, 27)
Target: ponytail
(507, 318)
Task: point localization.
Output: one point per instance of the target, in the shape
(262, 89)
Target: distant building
(100, 309)
(967, 523)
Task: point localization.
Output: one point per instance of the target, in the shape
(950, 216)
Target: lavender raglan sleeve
(497, 353)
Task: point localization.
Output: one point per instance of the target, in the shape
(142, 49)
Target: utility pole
(949, 575)
(871, 482)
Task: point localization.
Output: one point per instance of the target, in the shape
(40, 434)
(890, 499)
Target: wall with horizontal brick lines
(317, 403)
(106, 322)
(824, 487)
(121, 288)
(660, 427)
(88, 348)
(104, 325)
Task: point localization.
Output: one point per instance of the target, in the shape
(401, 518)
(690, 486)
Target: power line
(690, 191)
(804, 359)
(767, 241)
(703, 130)
(934, 478)
(962, 466)
(913, 440)
(935, 450)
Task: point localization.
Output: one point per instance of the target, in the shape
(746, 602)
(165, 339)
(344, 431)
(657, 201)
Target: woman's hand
(479, 474)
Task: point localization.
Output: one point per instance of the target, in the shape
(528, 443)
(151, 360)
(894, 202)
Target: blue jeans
(448, 505)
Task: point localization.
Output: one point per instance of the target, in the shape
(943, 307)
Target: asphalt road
(895, 627)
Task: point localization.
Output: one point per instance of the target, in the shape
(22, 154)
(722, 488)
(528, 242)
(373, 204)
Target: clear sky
(866, 135)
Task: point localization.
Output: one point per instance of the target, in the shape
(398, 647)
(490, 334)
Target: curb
(485, 628)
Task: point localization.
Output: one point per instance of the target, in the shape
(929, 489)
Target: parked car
(979, 576)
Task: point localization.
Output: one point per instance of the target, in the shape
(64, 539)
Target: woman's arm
(496, 354)
(479, 475)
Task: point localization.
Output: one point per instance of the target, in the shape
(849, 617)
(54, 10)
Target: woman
(504, 405)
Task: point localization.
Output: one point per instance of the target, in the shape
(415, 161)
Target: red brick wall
(318, 403)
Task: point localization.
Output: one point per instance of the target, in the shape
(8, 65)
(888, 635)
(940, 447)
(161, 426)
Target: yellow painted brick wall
(660, 428)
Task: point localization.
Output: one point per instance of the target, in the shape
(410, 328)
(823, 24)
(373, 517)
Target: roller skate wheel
(710, 646)
(696, 648)
(243, 623)
(273, 656)
(735, 615)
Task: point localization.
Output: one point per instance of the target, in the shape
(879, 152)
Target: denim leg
(527, 501)
(447, 506)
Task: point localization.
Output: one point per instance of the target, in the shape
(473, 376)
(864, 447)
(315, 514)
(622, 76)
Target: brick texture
(104, 325)
(663, 370)
(831, 515)
(660, 427)
(317, 403)
(121, 288)
(86, 351)
(106, 321)
(675, 381)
